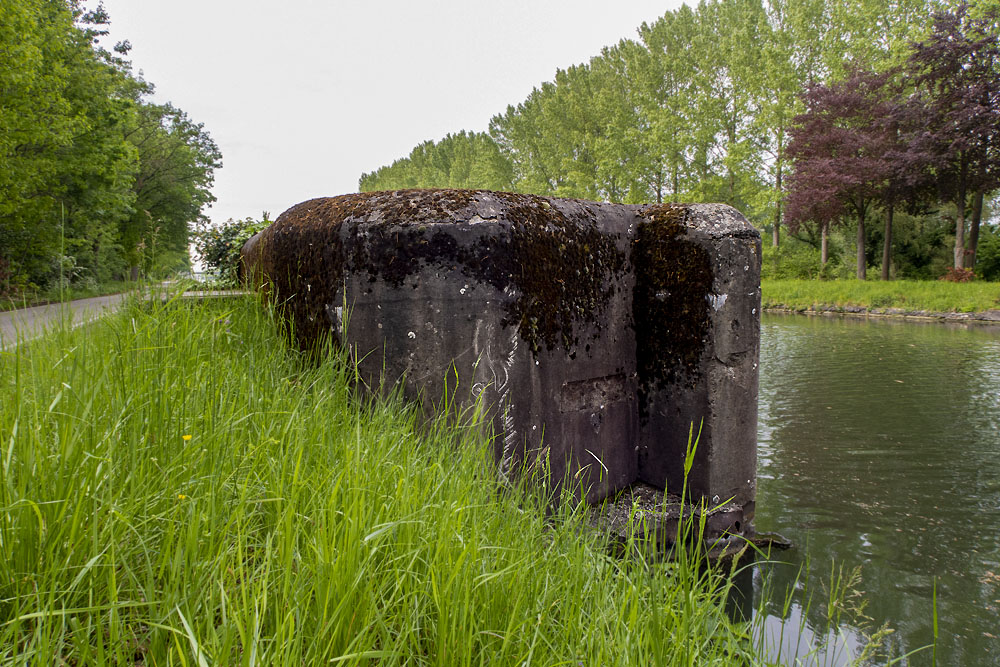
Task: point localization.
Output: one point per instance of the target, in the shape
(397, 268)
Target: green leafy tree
(464, 160)
(43, 113)
(660, 76)
(527, 138)
(789, 58)
(90, 173)
(988, 266)
(97, 170)
(177, 160)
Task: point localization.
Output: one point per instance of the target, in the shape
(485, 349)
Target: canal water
(879, 453)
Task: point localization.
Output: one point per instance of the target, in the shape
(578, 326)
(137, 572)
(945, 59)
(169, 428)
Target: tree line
(96, 182)
(736, 101)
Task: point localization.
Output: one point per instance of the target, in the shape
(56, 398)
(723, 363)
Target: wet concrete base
(648, 515)
(652, 519)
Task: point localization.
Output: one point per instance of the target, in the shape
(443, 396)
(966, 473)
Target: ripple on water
(879, 446)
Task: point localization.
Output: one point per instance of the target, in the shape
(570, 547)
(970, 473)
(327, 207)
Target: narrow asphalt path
(17, 326)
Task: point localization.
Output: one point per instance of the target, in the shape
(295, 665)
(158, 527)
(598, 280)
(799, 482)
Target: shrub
(169, 263)
(219, 246)
(988, 255)
(799, 259)
(5, 276)
(954, 275)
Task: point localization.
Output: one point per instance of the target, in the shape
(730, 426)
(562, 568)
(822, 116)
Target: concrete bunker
(596, 334)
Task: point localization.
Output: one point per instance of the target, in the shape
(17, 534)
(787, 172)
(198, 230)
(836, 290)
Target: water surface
(879, 448)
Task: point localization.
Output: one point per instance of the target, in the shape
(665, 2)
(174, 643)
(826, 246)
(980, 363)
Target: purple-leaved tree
(845, 148)
(958, 82)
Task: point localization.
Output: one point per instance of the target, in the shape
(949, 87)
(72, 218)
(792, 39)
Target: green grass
(936, 296)
(36, 297)
(177, 488)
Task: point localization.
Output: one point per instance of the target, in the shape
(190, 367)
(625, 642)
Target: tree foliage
(697, 108)
(463, 160)
(956, 71)
(177, 159)
(92, 175)
(219, 246)
(863, 143)
(851, 155)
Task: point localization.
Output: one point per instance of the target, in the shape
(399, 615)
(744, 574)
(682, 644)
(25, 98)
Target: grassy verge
(178, 488)
(910, 295)
(36, 298)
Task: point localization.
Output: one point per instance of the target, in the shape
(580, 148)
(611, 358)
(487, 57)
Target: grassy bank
(910, 295)
(178, 488)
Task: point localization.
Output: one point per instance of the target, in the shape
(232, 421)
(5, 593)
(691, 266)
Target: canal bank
(173, 461)
(983, 317)
(935, 299)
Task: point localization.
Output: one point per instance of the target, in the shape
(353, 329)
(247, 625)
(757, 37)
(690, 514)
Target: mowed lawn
(930, 295)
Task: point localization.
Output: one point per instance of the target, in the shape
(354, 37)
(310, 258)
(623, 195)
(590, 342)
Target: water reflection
(878, 448)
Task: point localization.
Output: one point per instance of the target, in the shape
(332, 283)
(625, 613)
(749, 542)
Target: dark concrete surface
(594, 334)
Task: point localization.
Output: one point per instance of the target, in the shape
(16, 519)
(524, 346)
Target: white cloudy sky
(302, 96)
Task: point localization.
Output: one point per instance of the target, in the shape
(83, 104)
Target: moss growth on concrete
(673, 275)
(556, 266)
(562, 266)
(299, 261)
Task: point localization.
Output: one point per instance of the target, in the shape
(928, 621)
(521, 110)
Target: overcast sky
(302, 96)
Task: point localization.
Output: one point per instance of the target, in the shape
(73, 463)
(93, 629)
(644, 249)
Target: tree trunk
(960, 235)
(776, 234)
(824, 243)
(133, 272)
(862, 265)
(887, 246)
(977, 216)
(960, 228)
(731, 130)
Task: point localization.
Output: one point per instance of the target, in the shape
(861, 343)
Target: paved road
(23, 325)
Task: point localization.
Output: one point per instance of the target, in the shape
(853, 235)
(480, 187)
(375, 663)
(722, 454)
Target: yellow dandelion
(181, 496)
(185, 437)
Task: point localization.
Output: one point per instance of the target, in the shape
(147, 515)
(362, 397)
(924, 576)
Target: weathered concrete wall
(607, 328)
(697, 309)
